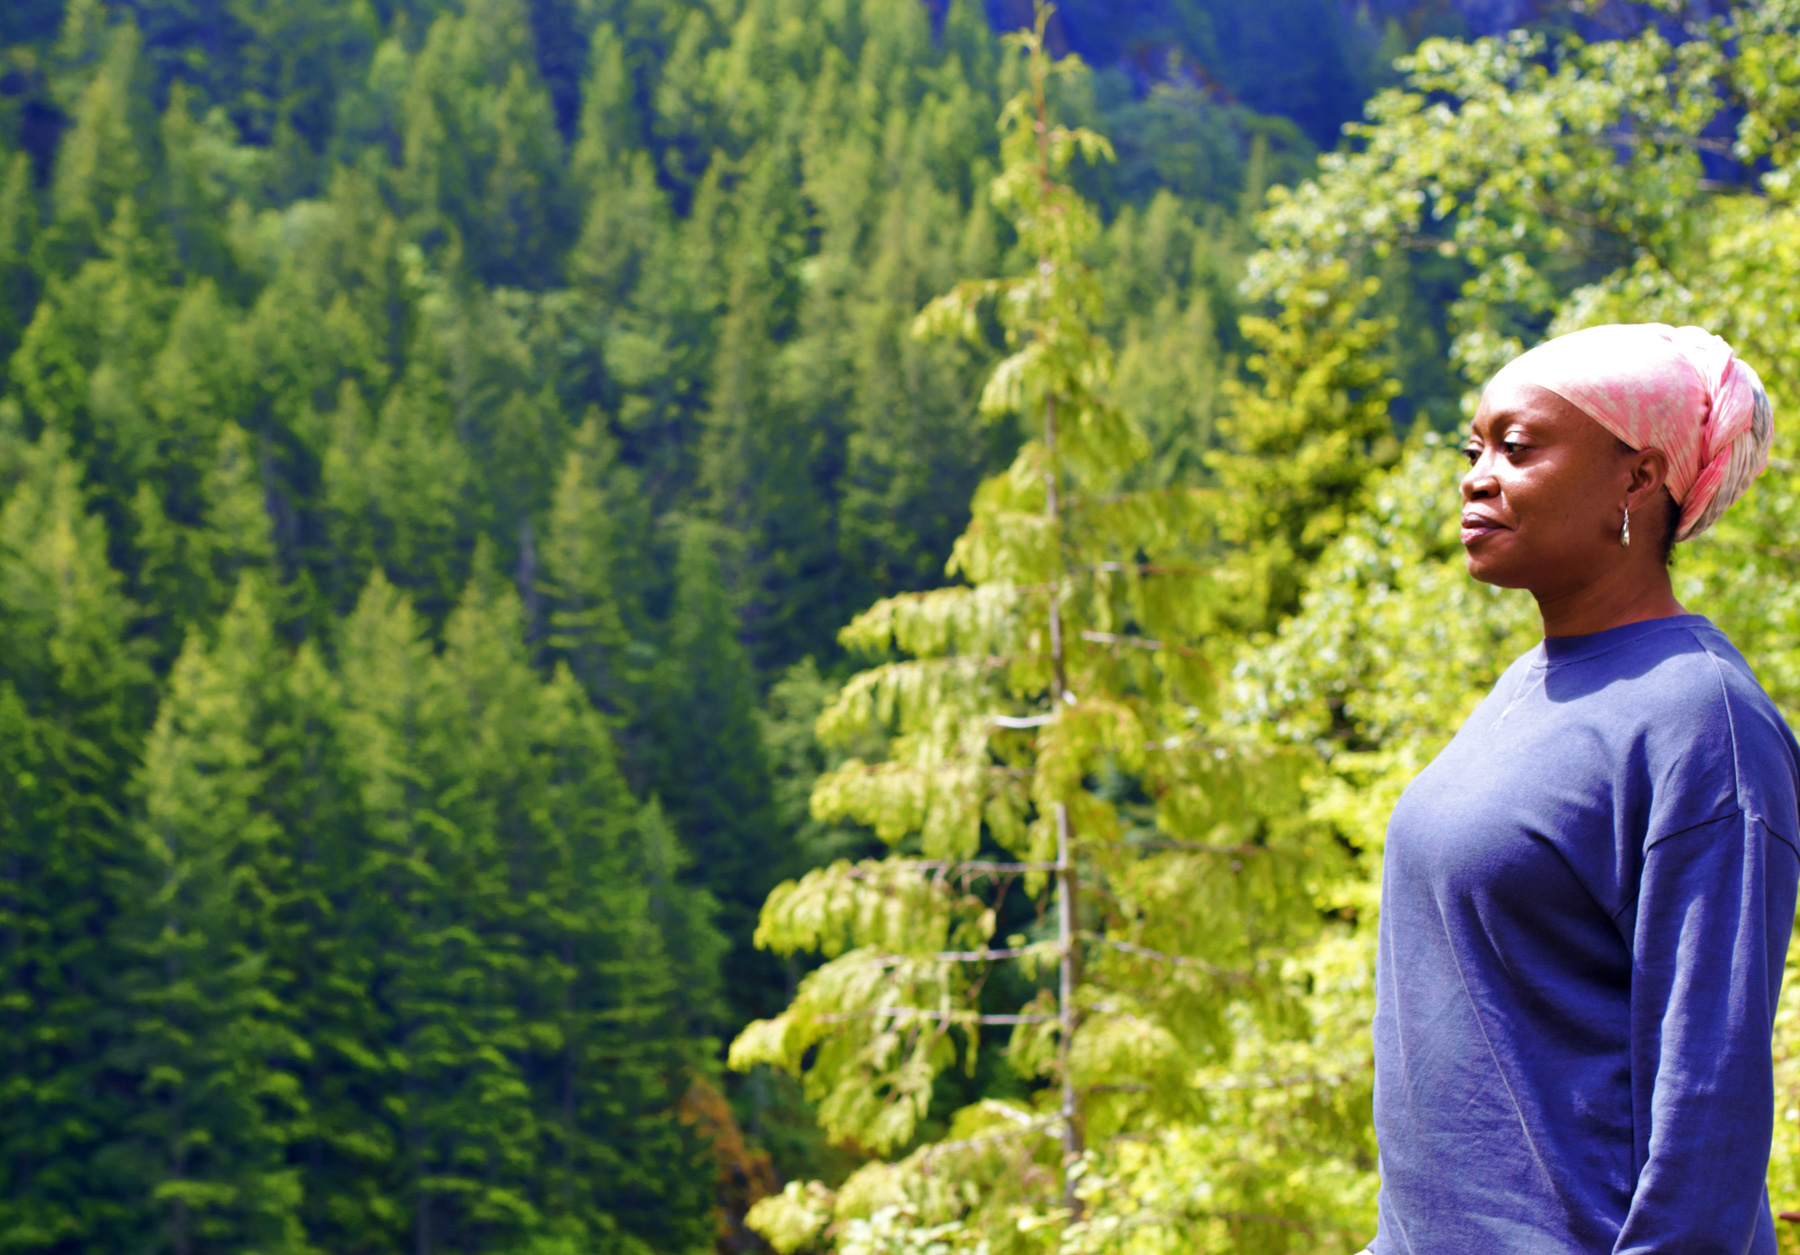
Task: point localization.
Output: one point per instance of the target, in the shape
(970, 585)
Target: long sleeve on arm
(1586, 902)
(1714, 912)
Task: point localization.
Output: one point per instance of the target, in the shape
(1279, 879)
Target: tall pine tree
(710, 770)
(75, 696)
(208, 1045)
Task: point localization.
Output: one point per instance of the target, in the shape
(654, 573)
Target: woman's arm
(1714, 912)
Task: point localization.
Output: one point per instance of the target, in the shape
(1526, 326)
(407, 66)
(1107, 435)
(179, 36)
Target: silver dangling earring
(1625, 532)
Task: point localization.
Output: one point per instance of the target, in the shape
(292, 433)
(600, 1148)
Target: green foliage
(1303, 445)
(709, 769)
(595, 616)
(1050, 714)
(1391, 647)
(440, 445)
(1553, 186)
(100, 169)
(1499, 157)
(360, 901)
(204, 1039)
(481, 157)
(1513, 169)
(74, 695)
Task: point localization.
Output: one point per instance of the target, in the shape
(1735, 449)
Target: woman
(1588, 895)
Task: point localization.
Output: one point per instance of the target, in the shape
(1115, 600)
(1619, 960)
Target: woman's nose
(1478, 480)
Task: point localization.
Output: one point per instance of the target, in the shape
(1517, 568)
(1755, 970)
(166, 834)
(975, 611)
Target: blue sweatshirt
(1585, 909)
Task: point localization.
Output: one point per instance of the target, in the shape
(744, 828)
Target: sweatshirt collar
(1565, 649)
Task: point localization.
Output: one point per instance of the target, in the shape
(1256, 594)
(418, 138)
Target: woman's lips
(1476, 526)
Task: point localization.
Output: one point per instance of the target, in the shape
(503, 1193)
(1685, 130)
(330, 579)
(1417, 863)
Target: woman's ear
(1649, 474)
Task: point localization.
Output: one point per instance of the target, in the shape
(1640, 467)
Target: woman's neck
(1625, 594)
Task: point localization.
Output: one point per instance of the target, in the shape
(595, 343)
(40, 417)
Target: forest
(651, 626)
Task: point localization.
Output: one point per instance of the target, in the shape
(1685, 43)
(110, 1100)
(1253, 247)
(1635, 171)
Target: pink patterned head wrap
(1677, 389)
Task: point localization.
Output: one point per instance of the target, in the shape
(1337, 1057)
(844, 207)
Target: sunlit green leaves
(1068, 683)
(1538, 169)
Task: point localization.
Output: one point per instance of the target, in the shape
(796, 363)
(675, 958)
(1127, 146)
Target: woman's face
(1543, 500)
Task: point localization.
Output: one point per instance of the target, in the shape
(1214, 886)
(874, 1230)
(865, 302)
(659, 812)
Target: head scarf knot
(1678, 389)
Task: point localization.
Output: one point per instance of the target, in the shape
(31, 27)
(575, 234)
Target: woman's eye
(1512, 448)
(1471, 452)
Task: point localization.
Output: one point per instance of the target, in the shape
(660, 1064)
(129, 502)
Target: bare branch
(1178, 742)
(1113, 638)
(1717, 145)
(977, 865)
(890, 959)
(1198, 847)
(1258, 1217)
(953, 866)
(926, 1013)
(1276, 1082)
(1158, 956)
(1139, 642)
(968, 956)
(1144, 568)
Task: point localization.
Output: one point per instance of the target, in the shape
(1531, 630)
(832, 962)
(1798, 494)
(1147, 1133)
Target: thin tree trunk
(1068, 977)
(1067, 887)
(1069, 966)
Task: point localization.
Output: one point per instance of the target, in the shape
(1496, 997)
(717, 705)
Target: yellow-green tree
(1304, 444)
(1048, 738)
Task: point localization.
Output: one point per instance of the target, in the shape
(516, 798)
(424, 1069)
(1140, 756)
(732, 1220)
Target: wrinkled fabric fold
(1678, 389)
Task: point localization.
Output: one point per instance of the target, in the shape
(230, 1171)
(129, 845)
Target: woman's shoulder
(1694, 664)
(1660, 667)
(1699, 708)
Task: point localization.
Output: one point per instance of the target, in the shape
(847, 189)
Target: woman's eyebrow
(1493, 424)
(1514, 420)
(1525, 426)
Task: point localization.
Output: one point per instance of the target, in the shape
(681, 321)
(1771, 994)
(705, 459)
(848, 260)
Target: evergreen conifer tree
(100, 166)
(1165, 275)
(74, 697)
(195, 388)
(1048, 738)
(296, 62)
(397, 491)
(207, 1043)
(624, 221)
(612, 952)
(710, 771)
(82, 366)
(883, 160)
(18, 228)
(455, 1121)
(1306, 445)
(758, 475)
(594, 590)
(319, 958)
(614, 176)
(483, 157)
(192, 192)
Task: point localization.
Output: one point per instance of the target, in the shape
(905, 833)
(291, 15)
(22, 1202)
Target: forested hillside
(439, 446)
(449, 452)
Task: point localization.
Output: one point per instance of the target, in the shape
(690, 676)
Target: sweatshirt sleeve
(1714, 911)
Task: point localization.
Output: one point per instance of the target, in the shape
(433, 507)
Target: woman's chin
(1488, 569)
